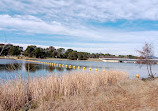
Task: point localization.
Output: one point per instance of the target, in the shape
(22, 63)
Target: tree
(85, 56)
(54, 54)
(131, 57)
(73, 55)
(39, 53)
(67, 53)
(4, 51)
(93, 55)
(15, 50)
(49, 51)
(30, 51)
(51, 48)
(82, 56)
(60, 52)
(121, 56)
(146, 55)
(1, 50)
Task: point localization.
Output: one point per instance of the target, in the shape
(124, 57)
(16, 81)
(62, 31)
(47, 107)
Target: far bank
(18, 57)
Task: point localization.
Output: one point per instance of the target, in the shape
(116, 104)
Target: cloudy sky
(107, 26)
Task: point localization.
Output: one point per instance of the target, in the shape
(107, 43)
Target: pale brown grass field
(97, 91)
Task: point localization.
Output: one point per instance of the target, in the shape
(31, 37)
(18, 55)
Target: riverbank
(108, 91)
(90, 59)
(14, 57)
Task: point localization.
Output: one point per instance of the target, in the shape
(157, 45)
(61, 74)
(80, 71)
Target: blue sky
(107, 26)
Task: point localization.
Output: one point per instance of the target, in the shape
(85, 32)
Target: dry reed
(109, 90)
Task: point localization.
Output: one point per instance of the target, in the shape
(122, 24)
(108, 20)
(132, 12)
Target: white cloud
(101, 10)
(35, 25)
(32, 24)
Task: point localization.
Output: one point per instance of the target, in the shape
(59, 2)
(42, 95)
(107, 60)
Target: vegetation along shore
(103, 91)
(33, 51)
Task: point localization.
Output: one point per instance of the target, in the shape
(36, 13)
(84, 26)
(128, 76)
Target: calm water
(10, 68)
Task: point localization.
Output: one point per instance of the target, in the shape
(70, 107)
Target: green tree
(85, 56)
(39, 53)
(60, 52)
(82, 56)
(131, 57)
(54, 54)
(49, 51)
(30, 51)
(67, 53)
(5, 49)
(93, 55)
(73, 55)
(15, 50)
(121, 56)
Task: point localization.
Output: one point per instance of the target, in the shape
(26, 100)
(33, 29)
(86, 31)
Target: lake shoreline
(14, 57)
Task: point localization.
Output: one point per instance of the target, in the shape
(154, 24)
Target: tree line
(52, 52)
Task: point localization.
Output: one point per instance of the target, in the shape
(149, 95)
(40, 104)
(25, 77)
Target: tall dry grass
(14, 95)
(97, 91)
(129, 95)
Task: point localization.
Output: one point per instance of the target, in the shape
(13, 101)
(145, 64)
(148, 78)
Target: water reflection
(29, 67)
(35, 69)
(10, 67)
(59, 69)
(49, 68)
(68, 69)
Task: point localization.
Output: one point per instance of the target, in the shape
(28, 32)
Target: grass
(109, 91)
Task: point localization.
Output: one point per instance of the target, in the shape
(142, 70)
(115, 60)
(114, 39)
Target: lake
(9, 68)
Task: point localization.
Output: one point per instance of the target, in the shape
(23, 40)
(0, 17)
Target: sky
(118, 27)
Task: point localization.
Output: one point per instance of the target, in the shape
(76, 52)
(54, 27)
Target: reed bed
(110, 90)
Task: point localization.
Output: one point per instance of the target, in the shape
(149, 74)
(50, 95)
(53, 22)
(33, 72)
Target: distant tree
(39, 53)
(88, 55)
(97, 55)
(101, 55)
(1, 51)
(30, 51)
(93, 55)
(51, 48)
(121, 56)
(82, 56)
(73, 55)
(107, 54)
(146, 55)
(49, 51)
(60, 52)
(131, 57)
(15, 50)
(85, 56)
(54, 54)
(67, 53)
(5, 49)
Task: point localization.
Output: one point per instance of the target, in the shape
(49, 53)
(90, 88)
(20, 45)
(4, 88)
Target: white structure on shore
(123, 60)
